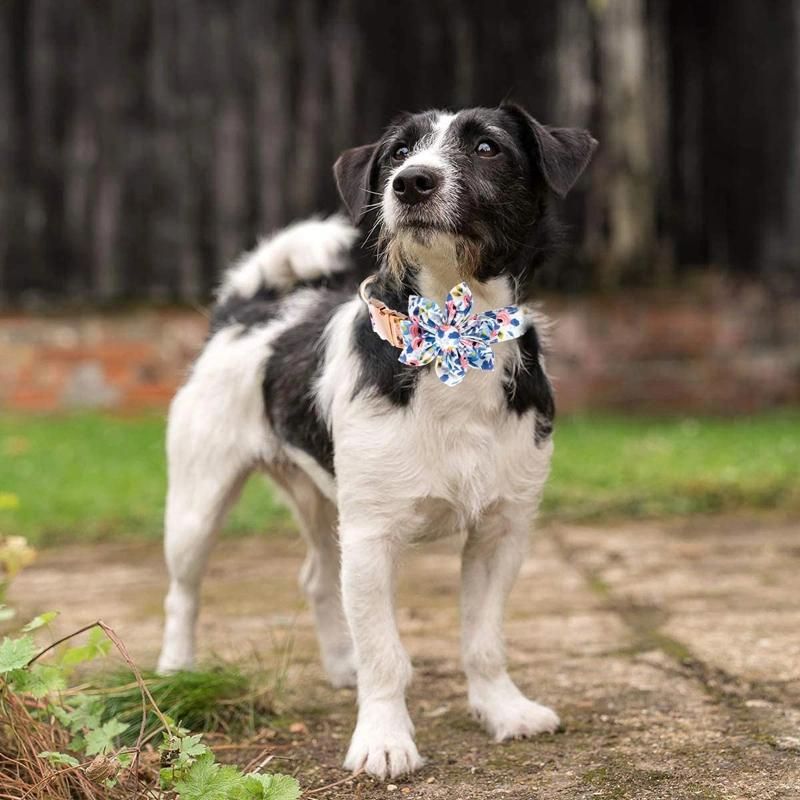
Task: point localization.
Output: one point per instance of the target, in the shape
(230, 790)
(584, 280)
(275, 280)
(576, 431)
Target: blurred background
(144, 145)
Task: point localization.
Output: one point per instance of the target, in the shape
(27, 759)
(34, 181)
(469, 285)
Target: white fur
(452, 461)
(303, 251)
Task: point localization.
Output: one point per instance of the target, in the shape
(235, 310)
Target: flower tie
(455, 338)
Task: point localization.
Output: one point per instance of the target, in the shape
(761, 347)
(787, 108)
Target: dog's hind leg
(215, 430)
(203, 484)
(492, 556)
(317, 518)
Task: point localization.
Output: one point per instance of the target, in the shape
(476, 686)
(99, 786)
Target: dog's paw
(383, 754)
(383, 744)
(517, 718)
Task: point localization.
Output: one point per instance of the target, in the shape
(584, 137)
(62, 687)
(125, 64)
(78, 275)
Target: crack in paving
(645, 621)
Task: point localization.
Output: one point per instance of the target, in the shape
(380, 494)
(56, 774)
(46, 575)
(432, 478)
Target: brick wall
(720, 351)
(126, 362)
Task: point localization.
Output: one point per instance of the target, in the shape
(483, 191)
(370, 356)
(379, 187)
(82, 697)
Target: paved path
(671, 651)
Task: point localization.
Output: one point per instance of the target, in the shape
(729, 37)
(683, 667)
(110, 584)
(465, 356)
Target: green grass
(624, 466)
(92, 476)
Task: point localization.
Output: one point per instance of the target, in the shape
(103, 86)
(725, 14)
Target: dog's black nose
(415, 184)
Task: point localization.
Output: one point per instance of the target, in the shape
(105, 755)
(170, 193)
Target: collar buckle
(385, 321)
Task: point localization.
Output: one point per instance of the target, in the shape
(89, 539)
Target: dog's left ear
(353, 171)
(561, 153)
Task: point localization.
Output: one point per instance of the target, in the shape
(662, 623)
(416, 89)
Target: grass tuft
(225, 698)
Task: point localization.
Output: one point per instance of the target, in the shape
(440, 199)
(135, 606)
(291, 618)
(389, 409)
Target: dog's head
(476, 182)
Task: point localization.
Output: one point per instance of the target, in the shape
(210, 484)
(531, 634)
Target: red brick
(718, 349)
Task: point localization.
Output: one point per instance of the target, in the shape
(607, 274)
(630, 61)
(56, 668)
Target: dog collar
(453, 338)
(385, 321)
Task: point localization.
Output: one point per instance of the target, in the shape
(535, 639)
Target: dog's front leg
(383, 742)
(492, 556)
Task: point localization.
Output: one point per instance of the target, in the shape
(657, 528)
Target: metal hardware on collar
(385, 321)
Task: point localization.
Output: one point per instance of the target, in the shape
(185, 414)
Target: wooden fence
(143, 144)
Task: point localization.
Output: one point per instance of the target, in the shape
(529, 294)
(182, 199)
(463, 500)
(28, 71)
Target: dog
(300, 379)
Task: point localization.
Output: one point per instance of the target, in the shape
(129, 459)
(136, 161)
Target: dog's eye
(487, 148)
(400, 153)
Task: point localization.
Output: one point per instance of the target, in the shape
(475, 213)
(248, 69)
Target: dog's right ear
(354, 173)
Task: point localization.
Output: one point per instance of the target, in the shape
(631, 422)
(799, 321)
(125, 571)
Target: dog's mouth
(421, 229)
(416, 236)
(421, 223)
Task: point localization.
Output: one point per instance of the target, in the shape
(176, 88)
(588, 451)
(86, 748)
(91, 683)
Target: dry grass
(25, 775)
(27, 731)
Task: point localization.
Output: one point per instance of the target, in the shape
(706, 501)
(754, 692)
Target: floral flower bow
(456, 339)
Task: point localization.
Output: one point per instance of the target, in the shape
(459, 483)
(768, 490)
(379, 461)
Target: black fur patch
(246, 311)
(529, 387)
(289, 381)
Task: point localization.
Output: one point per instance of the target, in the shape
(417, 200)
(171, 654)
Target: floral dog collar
(454, 338)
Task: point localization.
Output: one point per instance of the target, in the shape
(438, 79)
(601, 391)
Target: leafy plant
(195, 775)
(60, 744)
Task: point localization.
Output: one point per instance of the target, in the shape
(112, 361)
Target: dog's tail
(302, 252)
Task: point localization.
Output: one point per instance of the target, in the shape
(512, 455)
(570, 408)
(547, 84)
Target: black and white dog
(373, 454)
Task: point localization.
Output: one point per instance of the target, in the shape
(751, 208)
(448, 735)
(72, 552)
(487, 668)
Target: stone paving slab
(669, 649)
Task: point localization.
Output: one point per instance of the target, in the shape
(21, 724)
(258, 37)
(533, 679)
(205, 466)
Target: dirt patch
(671, 652)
